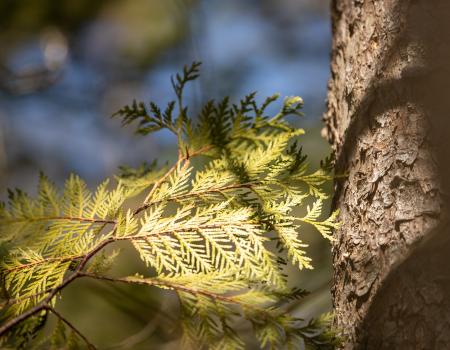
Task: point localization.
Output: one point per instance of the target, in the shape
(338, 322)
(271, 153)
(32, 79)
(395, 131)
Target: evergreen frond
(326, 226)
(206, 230)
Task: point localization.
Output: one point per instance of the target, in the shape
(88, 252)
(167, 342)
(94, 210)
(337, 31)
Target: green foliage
(207, 229)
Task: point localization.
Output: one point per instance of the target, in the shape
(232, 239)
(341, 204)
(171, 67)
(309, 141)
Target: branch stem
(22, 317)
(158, 183)
(159, 283)
(200, 193)
(71, 326)
(61, 218)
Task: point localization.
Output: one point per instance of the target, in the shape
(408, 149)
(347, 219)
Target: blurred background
(67, 65)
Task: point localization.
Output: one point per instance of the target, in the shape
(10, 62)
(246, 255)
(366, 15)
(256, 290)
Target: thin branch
(43, 305)
(59, 218)
(178, 229)
(71, 326)
(22, 317)
(180, 288)
(94, 251)
(200, 193)
(157, 184)
(168, 173)
(43, 261)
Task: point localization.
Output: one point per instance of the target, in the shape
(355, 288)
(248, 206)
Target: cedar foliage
(204, 228)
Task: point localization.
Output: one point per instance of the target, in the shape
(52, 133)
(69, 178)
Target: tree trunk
(388, 122)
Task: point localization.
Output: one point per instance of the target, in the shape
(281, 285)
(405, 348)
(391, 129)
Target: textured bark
(388, 121)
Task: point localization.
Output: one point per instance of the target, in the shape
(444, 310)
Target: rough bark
(388, 121)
